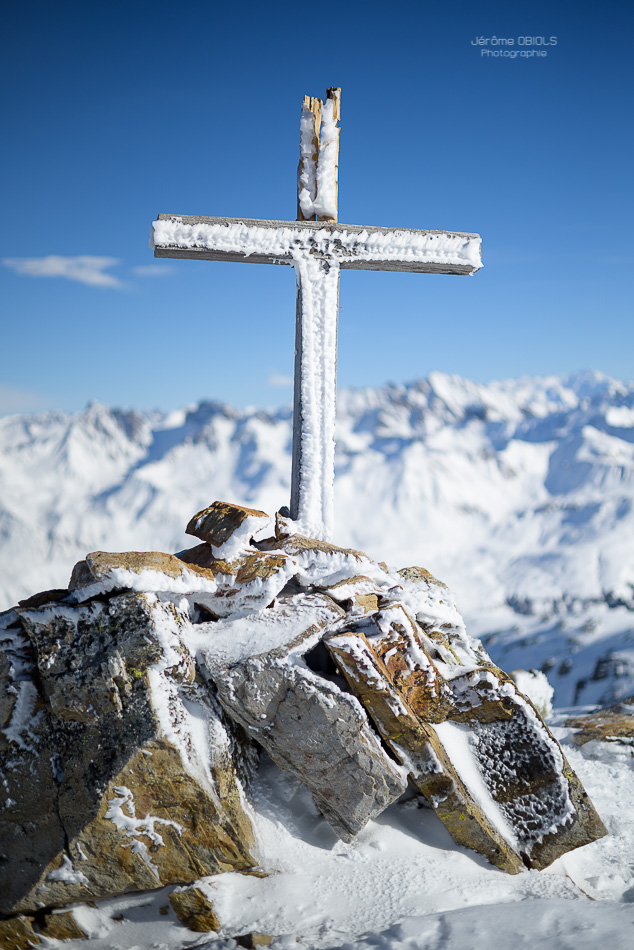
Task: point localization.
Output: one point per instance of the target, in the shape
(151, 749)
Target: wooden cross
(318, 248)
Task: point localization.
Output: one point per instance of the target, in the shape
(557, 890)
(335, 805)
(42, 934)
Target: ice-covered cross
(318, 248)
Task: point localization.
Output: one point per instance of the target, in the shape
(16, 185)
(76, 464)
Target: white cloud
(277, 380)
(14, 399)
(85, 269)
(151, 270)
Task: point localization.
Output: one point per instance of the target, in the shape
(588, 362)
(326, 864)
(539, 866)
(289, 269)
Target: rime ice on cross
(318, 248)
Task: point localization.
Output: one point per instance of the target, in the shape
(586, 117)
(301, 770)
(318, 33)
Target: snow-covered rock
(535, 685)
(122, 750)
(615, 724)
(117, 768)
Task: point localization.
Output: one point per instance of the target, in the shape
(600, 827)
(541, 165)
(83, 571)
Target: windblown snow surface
(518, 494)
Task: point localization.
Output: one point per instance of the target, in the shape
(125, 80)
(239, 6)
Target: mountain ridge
(519, 494)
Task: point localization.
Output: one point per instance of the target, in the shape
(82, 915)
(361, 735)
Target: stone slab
(503, 785)
(311, 727)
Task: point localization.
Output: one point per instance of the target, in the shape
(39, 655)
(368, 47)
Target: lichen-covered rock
(472, 744)
(45, 597)
(62, 926)
(254, 940)
(359, 595)
(131, 705)
(321, 563)
(194, 909)
(420, 574)
(612, 724)
(249, 578)
(297, 544)
(30, 830)
(227, 527)
(104, 571)
(415, 744)
(114, 758)
(17, 934)
(249, 582)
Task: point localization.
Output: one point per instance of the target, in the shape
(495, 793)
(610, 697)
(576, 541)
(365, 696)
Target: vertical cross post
(317, 315)
(318, 248)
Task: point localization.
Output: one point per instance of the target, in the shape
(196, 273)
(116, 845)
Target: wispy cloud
(152, 270)
(15, 399)
(277, 380)
(84, 269)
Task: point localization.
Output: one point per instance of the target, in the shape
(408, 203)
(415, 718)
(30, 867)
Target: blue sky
(118, 111)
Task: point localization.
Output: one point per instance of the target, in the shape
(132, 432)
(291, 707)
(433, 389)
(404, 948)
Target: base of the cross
(312, 480)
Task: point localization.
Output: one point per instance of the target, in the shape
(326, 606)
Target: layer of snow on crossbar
(285, 242)
(318, 286)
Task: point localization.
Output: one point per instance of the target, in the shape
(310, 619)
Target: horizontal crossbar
(348, 245)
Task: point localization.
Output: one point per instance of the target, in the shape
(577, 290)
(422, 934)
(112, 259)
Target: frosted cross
(318, 248)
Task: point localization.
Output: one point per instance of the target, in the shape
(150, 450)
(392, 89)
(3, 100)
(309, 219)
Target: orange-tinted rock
(120, 571)
(420, 574)
(220, 522)
(473, 745)
(112, 793)
(62, 926)
(194, 910)
(613, 724)
(17, 934)
(358, 594)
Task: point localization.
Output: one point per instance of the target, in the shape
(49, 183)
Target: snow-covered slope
(518, 494)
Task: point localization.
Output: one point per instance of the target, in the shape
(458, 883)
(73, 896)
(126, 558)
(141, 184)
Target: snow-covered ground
(518, 494)
(402, 884)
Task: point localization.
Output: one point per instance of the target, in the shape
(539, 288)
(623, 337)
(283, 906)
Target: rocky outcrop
(471, 743)
(254, 940)
(131, 705)
(107, 789)
(614, 724)
(61, 925)
(145, 571)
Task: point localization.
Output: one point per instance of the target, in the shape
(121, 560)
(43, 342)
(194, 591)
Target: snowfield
(402, 884)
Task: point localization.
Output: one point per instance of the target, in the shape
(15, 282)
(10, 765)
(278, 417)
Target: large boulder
(116, 760)
(305, 722)
(473, 745)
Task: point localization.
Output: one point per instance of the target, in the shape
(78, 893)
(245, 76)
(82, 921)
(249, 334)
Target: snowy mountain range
(518, 494)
